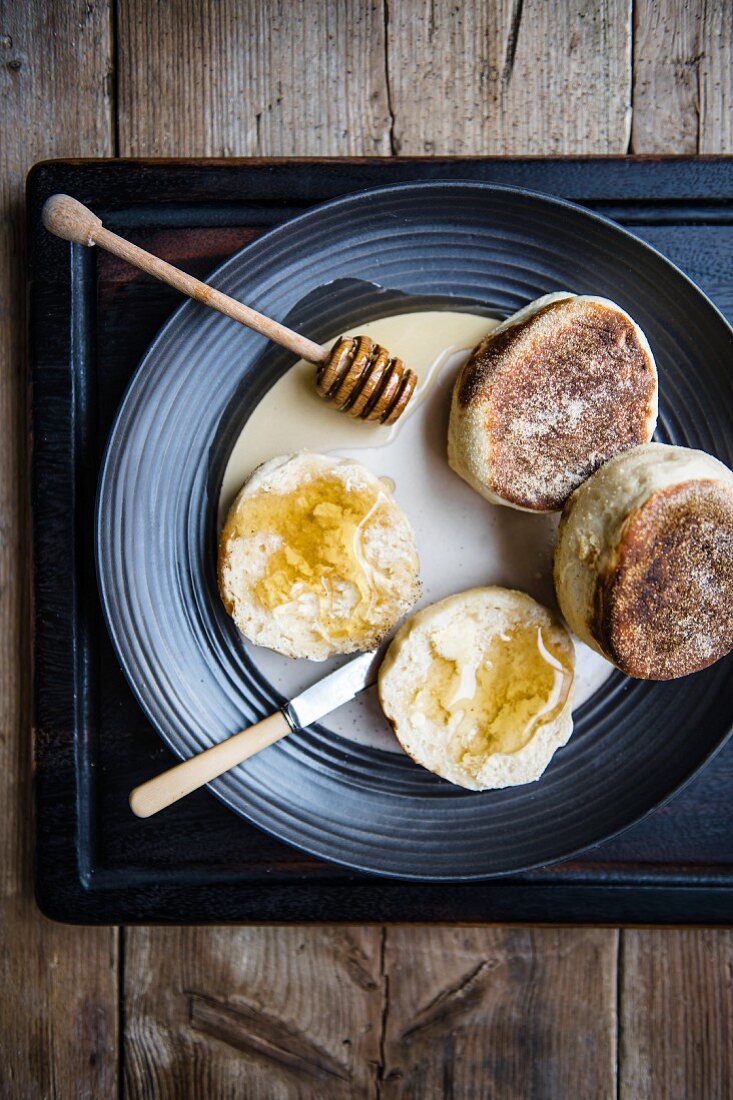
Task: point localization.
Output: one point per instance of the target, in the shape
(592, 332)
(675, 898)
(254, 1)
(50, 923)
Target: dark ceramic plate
(634, 742)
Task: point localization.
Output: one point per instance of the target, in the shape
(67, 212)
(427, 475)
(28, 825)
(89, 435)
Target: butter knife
(313, 703)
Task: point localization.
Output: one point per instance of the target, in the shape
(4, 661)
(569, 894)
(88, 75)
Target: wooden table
(337, 1011)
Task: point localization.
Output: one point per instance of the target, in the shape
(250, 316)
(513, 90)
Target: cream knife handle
(168, 787)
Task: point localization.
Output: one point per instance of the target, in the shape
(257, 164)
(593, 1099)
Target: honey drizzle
(520, 682)
(321, 532)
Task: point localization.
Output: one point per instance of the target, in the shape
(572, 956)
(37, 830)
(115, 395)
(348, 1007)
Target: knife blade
(333, 691)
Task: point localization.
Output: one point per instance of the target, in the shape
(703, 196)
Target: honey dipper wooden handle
(70, 219)
(168, 787)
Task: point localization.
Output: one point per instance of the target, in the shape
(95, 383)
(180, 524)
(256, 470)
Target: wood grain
(59, 1016)
(266, 1013)
(516, 76)
(500, 1013)
(666, 74)
(282, 1012)
(269, 77)
(716, 78)
(683, 77)
(676, 1021)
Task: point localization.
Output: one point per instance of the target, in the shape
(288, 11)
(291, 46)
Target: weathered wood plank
(59, 1017)
(58, 1021)
(270, 77)
(266, 1013)
(683, 77)
(516, 76)
(716, 78)
(500, 1013)
(676, 1012)
(666, 116)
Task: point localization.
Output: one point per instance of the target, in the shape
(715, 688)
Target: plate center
(462, 540)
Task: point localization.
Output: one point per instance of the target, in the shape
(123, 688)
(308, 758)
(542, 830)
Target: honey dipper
(356, 375)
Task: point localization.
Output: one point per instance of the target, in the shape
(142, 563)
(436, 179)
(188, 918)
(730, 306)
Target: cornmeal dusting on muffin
(643, 564)
(548, 397)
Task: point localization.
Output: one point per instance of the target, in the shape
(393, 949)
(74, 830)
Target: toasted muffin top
(560, 390)
(664, 607)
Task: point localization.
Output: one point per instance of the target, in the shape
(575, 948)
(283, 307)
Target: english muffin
(550, 394)
(644, 561)
(478, 687)
(316, 557)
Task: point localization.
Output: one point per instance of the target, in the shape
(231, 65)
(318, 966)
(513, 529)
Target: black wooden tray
(91, 319)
